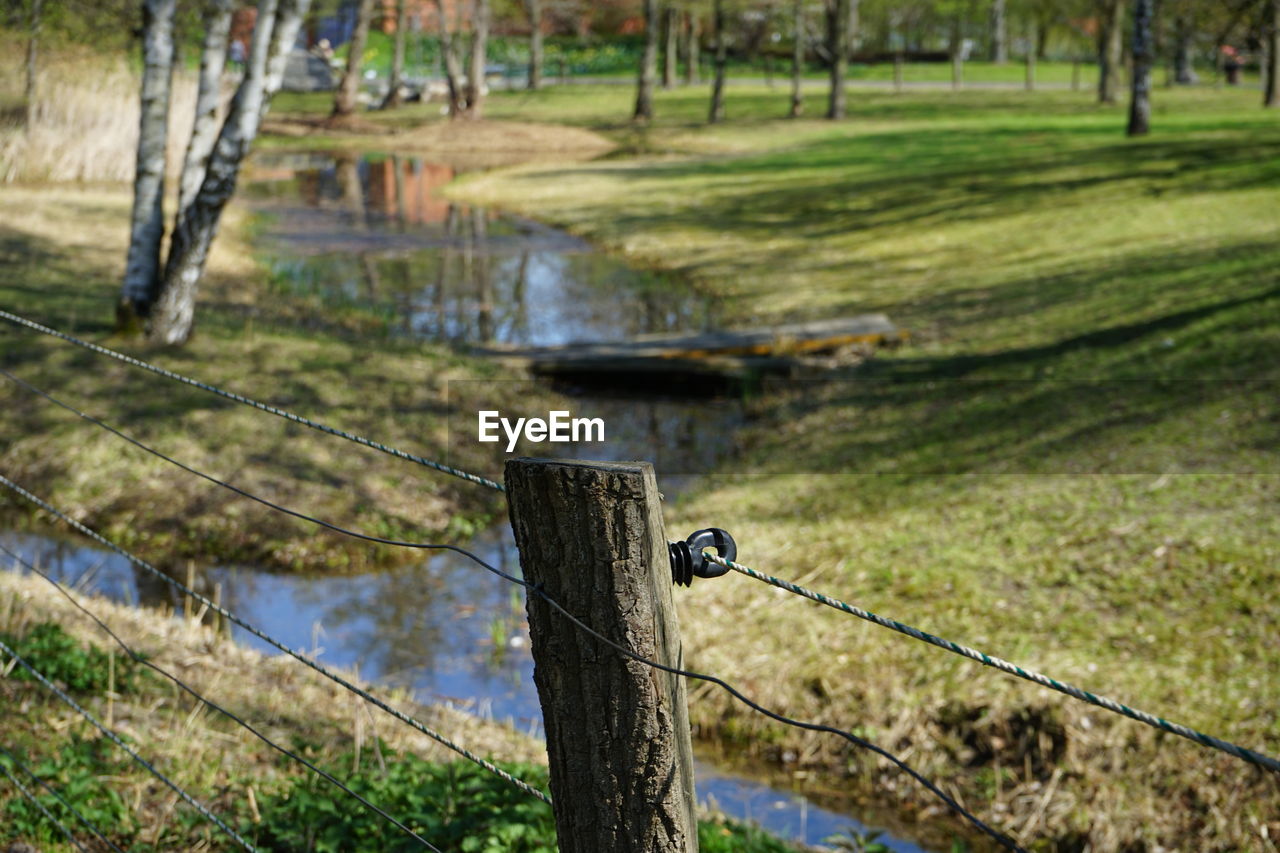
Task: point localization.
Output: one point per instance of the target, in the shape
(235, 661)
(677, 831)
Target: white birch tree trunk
(204, 131)
(274, 35)
(146, 230)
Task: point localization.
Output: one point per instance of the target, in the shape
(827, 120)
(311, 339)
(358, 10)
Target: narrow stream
(378, 252)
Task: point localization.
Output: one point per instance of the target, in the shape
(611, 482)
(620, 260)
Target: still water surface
(371, 238)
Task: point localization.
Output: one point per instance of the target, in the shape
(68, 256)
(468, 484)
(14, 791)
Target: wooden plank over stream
(726, 353)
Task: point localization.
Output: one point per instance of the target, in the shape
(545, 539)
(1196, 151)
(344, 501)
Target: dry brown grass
(85, 124)
(276, 694)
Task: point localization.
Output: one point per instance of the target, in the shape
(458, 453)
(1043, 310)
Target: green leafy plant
(62, 659)
(75, 772)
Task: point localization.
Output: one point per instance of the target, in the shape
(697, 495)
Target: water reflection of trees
(481, 278)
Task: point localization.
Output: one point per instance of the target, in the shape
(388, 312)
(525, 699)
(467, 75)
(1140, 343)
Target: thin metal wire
(114, 738)
(34, 799)
(54, 792)
(1074, 692)
(230, 395)
(224, 484)
(318, 667)
(216, 707)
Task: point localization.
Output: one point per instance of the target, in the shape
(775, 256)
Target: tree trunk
(147, 219)
(797, 61)
(394, 96)
(957, 56)
(452, 64)
(716, 113)
(1140, 97)
(344, 99)
(479, 58)
(204, 132)
(838, 47)
(1183, 70)
(1031, 57)
(1110, 49)
(1271, 92)
(274, 34)
(534, 10)
(999, 53)
(590, 536)
(670, 48)
(693, 34)
(648, 64)
(33, 38)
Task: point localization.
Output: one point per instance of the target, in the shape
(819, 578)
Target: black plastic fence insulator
(687, 561)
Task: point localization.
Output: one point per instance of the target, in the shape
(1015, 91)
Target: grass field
(1058, 467)
(1071, 464)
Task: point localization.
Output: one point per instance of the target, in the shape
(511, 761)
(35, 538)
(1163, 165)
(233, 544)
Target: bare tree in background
(479, 58)
(34, 19)
(670, 46)
(146, 222)
(797, 60)
(344, 98)
(1140, 95)
(692, 35)
(395, 84)
(204, 132)
(533, 9)
(452, 63)
(166, 300)
(648, 64)
(1271, 91)
(1110, 48)
(716, 113)
(838, 22)
(999, 53)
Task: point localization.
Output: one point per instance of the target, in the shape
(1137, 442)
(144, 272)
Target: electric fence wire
(1264, 761)
(54, 792)
(536, 590)
(118, 741)
(137, 658)
(315, 665)
(231, 395)
(41, 806)
(379, 540)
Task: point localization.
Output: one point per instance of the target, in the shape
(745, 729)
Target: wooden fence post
(590, 534)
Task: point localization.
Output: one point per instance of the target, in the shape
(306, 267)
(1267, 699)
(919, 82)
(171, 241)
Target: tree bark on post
(479, 58)
(396, 82)
(670, 47)
(142, 267)
(1271, 91)
(533, 8)
(1140, 96)
(797, 61)
(591, 537)
(344, 99)
(648, 64)
(1110, 49)
(716, 113)
(838, 47)
(204, 132)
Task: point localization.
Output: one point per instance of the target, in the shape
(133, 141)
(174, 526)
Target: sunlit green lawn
(1054, 468)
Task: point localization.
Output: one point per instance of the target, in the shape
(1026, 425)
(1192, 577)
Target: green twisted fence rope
(1074, 692)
